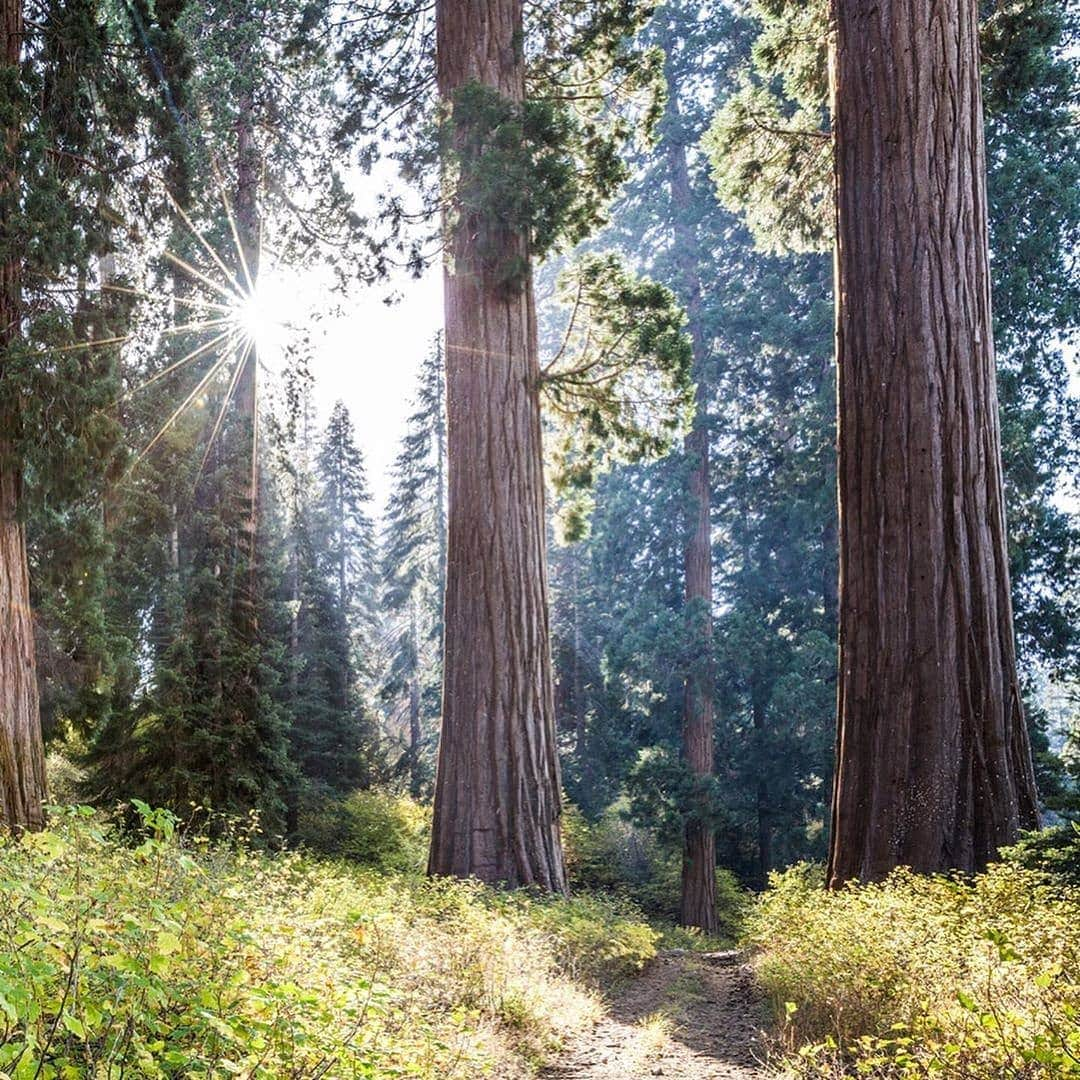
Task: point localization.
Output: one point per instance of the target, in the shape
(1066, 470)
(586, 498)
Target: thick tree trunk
(698, 904)
(934, 769)
(22, 759)
(497, 793)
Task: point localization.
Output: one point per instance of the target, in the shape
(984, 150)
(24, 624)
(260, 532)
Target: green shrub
(595, 939)
(373, 828)
(184, 958)
(64, 778)
(616, 857)
(921, 977)
(1054, 852)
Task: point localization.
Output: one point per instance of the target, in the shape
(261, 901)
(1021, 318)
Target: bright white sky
(367, 356)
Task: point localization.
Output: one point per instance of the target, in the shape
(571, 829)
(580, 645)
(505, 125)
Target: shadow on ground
(684, 1018)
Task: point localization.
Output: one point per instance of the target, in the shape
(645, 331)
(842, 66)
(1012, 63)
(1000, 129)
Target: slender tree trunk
(577, 690)
(440, 501)
(934, 769)
(497, 792)
(761, 798)
(698, 905)
(342, 543)
(22, 758)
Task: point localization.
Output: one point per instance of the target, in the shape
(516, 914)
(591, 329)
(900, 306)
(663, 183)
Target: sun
(243, 312)
(254, 318)
(269, 314)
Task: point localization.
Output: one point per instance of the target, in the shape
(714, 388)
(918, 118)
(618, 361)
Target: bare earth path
(684, 1018)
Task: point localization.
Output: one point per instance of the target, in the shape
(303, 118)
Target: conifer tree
(413, 570)
(332, 735)
(520, 184)
(350, 548)
(327, 727)
(71, 106)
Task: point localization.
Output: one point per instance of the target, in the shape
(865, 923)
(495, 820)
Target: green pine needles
(516, 169)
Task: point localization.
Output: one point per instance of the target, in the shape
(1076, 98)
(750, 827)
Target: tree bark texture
(497, 791)
(22, 758)
(934, 769)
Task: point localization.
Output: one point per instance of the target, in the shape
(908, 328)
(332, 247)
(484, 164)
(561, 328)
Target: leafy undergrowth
(924, 977)
(192, 959)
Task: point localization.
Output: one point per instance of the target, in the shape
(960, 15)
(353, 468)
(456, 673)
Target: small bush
(372, 828)
(64, 778)
(923, 977)
(1054, 852)
(616, 857)
(179, 957)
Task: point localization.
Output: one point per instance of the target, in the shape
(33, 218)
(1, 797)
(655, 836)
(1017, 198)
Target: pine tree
(350, 533)
(332, 736)
(72, 104)
(413, 570)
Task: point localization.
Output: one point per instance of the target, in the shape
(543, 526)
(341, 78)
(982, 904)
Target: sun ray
(202, 384)
(193, 355)
(227, 319)
(243, 359)
(187, 301)
(91, 343)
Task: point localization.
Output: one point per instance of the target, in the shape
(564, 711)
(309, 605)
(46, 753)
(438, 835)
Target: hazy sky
(366, 356)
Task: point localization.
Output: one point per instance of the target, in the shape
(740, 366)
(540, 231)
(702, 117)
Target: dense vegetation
(165, 955)
(918, 977)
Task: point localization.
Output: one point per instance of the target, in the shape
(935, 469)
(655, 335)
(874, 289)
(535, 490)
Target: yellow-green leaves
(161, 959)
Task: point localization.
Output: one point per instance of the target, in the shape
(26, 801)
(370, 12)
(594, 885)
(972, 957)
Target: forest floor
(686, 1017)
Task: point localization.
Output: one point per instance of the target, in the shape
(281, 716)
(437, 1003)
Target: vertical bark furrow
(934, 769)
(497, 802)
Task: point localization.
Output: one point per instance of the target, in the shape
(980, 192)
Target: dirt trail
(685, 1018)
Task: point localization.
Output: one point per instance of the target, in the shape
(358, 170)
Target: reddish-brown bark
(497, 795)
(22, 758)
(698, 899)
(934, 769)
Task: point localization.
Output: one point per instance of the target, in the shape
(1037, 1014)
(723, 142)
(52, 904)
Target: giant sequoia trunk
(934, 769)
(497, 802)
(698, 901)
(22, 759)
